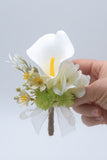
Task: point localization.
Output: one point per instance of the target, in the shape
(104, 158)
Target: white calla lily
(56, 45)
(58, 49)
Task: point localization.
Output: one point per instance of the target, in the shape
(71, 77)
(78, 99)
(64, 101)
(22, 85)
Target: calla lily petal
(51, 45)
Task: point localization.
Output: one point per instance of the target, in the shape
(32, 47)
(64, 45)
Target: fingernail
(96, 112)
(99, 118)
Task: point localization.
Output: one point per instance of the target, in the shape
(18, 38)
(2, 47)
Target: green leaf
(48, 98)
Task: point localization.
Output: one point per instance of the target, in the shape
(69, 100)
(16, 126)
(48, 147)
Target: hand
(93, 106)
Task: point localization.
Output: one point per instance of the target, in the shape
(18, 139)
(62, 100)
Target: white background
(22, 22)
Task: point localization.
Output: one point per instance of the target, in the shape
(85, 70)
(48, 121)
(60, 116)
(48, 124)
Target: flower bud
(18, 89)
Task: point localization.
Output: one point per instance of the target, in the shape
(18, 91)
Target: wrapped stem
(51, 121)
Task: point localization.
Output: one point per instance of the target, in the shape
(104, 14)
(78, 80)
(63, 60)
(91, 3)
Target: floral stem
(51, 121)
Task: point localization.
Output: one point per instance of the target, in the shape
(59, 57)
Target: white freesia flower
(70, 78)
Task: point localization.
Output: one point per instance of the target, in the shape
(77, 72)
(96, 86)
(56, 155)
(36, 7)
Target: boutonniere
(52, 84)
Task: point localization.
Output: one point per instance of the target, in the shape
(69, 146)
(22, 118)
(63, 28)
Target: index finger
(89, 67)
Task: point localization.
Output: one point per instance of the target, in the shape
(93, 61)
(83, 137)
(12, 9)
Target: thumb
(96, 93)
